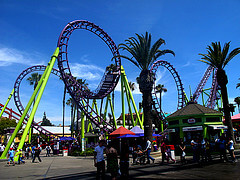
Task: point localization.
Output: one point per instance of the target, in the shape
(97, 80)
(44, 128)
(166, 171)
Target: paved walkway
(58, 167)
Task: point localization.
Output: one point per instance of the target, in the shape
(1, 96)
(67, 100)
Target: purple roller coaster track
(76, 90)
(81, 94)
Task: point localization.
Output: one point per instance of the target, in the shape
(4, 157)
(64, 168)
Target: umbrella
(128, 136)
(156, 135)
(137, 130)
(121, 131)
(67, 138)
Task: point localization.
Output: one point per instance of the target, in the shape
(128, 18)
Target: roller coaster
(83, 97)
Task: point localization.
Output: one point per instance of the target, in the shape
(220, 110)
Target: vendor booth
(195, 121)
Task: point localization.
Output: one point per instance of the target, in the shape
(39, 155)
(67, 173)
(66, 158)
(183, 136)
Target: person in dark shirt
(37, 153)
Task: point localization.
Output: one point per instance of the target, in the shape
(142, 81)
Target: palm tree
(160, 89)
(238, 84)
(144, 54)
(219, 58)
(237, 101)
(33, 80)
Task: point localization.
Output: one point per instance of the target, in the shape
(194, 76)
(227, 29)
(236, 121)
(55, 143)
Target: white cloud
(9, 56)
(88, 72)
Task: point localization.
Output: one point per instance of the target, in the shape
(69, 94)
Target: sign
(191, 121)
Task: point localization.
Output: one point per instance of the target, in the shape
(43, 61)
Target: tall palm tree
(143, 55)
(160, 89)
(219, 57)
(238, 84)
(33, 81)
(237, 101)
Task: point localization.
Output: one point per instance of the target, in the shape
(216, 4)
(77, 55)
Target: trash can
(65, 152)
(172, 148)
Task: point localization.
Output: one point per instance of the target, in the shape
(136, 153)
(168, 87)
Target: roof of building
(236, 117)
(56, 129)
(194, 109)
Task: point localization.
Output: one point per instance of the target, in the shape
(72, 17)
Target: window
(173, 122)
(213, 119)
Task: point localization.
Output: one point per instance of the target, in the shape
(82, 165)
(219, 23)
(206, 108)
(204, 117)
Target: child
(20, 156)
(168, 153)
(11, 156)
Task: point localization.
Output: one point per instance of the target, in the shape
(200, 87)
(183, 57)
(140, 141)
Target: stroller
(140, 156)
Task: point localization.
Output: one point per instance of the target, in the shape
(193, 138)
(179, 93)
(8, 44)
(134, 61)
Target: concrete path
(58, 167)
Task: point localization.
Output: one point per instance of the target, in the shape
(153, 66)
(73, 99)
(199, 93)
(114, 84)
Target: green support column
(83, 131)
(181, 132)
(44, 83)
(122, 96)
(30, 135)
(23, 115)
(204, 131)
(112, 110)
(106, 106)
(9, 98)
(124, 83)
(161, 123)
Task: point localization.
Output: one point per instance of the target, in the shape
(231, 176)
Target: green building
(194, 121)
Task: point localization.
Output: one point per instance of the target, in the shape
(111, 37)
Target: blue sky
(30, 30)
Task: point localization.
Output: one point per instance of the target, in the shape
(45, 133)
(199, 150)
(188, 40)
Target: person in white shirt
(148, 150)
(99, 161)
(231, 150)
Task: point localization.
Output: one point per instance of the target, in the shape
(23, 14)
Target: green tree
(238, 84)
(218, 57)
(143, 55)
(160, 89)
(237, 101)
(6, 123)
(33, 79)
(46, 121)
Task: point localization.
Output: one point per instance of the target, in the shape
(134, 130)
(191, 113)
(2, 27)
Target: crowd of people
(31, 151)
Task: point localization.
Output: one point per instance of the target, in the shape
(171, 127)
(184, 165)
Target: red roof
(121, 131)
(236, 117)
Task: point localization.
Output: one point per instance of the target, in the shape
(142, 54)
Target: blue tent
(128, 136)
(67, 139)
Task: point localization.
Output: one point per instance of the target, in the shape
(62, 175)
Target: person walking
(163, 150)
(194, 145)
(208, 150)
(11, 156)
(99, 161)
(37, 153)
(124, 160)
(19, 154)
(32, 148)
(148, 150)
(222, 148)
(112, 161)
(231, 150)
(27, 150)
(2, 147)
(48, 148)
(182, 151)
(169, 156)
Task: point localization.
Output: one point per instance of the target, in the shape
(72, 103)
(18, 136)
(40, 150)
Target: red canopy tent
(121, 131)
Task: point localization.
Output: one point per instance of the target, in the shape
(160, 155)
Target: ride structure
(86, 100)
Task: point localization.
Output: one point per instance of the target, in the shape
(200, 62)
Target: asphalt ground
(68, 167)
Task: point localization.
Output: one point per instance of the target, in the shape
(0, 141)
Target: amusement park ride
(86, 100)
